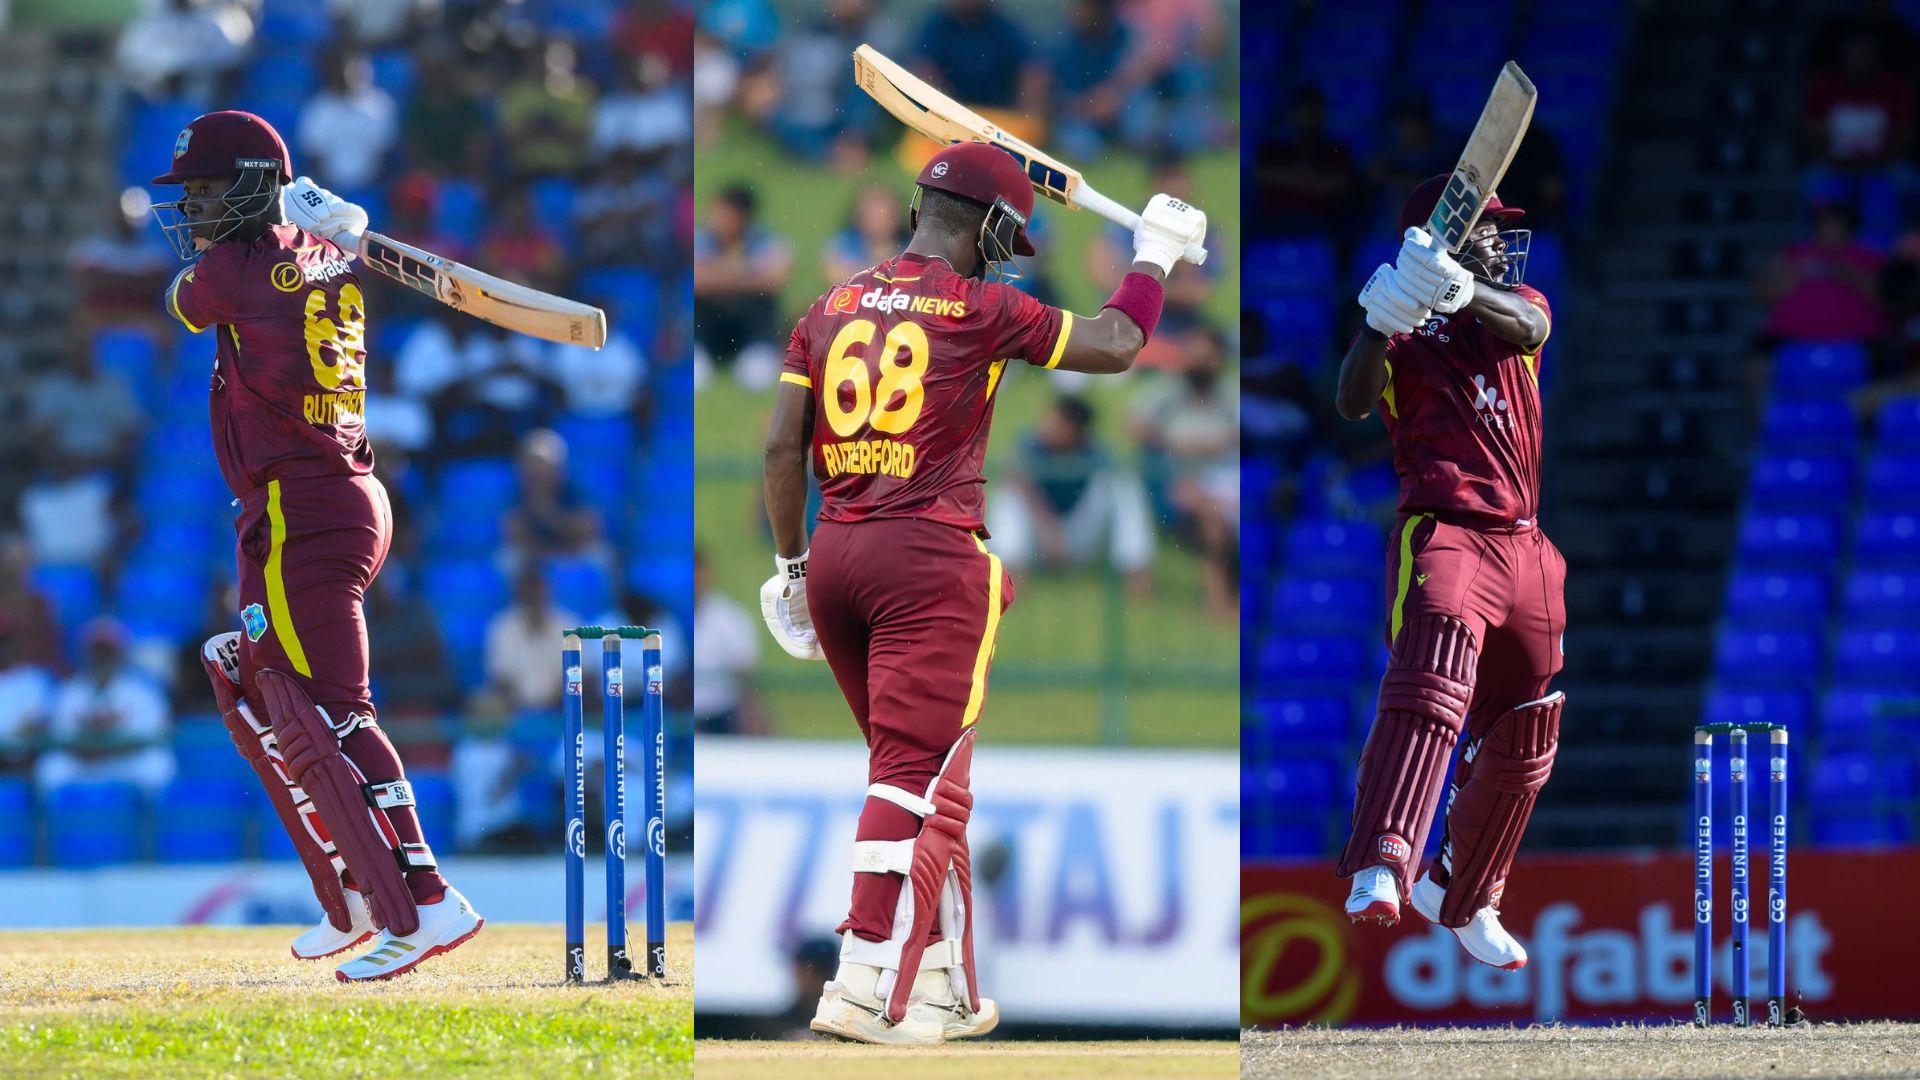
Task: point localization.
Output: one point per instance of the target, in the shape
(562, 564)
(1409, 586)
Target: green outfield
(220, 1001)
(1078, 659)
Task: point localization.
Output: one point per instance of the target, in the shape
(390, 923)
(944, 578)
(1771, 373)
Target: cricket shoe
(444, 926)
(325, 940)
(851, 1008)
(1375, 897)
(1483, 937)
(934, 1001)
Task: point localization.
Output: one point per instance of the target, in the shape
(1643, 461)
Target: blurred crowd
(1095, 81)
(534, 485)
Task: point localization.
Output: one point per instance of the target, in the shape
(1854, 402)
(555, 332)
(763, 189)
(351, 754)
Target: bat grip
(1089, 199)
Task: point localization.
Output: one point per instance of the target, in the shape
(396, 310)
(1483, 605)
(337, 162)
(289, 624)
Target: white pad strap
(882, 856)
(918, 806)
(390, 794)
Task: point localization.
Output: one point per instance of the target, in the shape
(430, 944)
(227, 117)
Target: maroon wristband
(1139, 297)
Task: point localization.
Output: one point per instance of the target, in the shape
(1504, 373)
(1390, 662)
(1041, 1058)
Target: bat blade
(1496, 138)
(484, 296)
(924, 109)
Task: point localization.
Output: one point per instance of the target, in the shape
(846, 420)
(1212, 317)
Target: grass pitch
(226, 1001)
(737, 1060)
(1666, 1052)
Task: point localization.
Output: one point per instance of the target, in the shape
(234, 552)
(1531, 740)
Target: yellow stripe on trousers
(978, 695)
(1405, 573)
(277, 586)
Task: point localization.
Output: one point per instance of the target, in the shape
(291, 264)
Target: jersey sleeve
(1538, 299)
(795, 370)
(202, 294)
(1025, 328)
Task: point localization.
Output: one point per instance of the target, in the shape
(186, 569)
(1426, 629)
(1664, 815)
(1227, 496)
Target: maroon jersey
(903, 360)
(1462, 407)
(289, 387)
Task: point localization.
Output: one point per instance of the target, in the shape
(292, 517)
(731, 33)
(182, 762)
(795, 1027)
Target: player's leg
(908, 933)
(1512, 740)
(1434, 629)
(308, 666)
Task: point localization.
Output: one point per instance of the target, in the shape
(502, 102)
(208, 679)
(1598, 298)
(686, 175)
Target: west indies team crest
(253, 619)
(180, 144)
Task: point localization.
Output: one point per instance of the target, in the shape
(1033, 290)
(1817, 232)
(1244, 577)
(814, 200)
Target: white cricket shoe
(850, 1008)
(1375, 897)
(934, 1001)
(323, 941)
(444, 926)
(1484, 938)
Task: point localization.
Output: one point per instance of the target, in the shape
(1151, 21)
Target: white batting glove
(1434, 277)
(1166, 227)
(1391, 309)
(783, 603)
(323, 213)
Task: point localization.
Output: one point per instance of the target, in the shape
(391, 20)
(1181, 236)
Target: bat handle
(1089, 199)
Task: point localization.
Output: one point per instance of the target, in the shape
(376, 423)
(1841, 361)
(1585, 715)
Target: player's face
(1486, 245)
(202, 203)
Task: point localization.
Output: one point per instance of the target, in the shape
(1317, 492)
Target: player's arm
(1363, 375)
(789, 437)
(1108, 343)
(1512, 317)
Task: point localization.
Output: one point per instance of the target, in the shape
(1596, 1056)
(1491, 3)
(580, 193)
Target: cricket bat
(484, 296)
(1490, 149)
(940, 118)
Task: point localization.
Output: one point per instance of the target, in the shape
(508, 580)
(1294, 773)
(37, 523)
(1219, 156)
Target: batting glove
(323, 213)
(1166, 228)
(1391, 309)
(783, 603)
(1433, 277)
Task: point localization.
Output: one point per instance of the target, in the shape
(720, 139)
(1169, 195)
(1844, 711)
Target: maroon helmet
(1418, 209)
(220, 144)
(985, 174)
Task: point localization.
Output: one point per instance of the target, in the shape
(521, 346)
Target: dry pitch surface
(732, 1060)
(220, 1001)
(1554, 1053)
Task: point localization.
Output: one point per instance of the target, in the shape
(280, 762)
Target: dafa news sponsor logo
(1302, 962)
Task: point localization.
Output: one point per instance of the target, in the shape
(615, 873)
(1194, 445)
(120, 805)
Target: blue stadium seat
(1888, 540)
(1757, 599)
(1893, 481)
(16, 823)
(292, 72)
(597, 436)
(393, 72)
(1573, 97)
(460, 209)
(1298, 718)
(94, 823)
(151, 129)
(203, 750)
(1298, 658)
(72, 591)
(465, 634)
(1856, 716)
(1298, 265)
(1882, 598)
(1801, 482)
(433, 799)
(1898, 425)
(132, 355)
(635, 296)
(1891, 656)
(665, 575)
(1355, 101)
(291, 22)
(1810, 425)
(1832, 829)
(1857, 776)
(1336, 604)
(1547, 267)
(1448, 43)
(464, 586)
(1298, 326)
(1756, 658)
(1826, 367)
(1333, 545)
(1789, 707)
(1281, 839)
(579, 585)
(1370, 253)
(200, 820)
(1302, 782)
(162, 599)
(585, 20)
